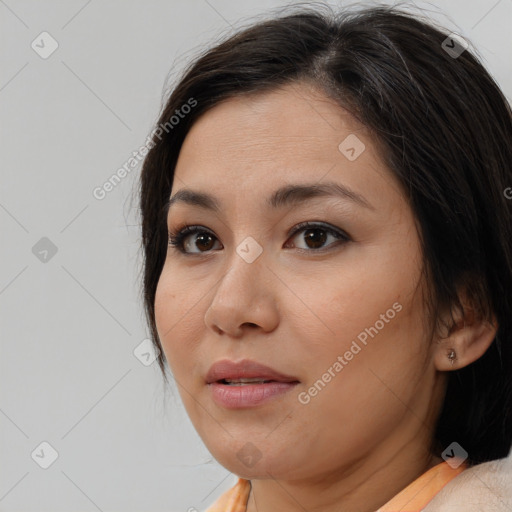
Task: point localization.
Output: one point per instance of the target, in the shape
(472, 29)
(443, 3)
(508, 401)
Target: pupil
(315, 236)
(201, 240)
(318, 241)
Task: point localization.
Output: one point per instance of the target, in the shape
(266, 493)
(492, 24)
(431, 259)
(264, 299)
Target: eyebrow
(288, 195)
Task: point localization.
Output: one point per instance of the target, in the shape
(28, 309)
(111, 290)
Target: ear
(469, 337)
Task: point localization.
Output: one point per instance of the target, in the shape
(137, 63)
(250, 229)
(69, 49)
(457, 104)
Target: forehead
(252, 144)
(294, 117)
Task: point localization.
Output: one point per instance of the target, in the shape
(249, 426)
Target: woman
(328, 260)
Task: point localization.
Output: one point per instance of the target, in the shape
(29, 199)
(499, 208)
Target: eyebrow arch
(288, 195)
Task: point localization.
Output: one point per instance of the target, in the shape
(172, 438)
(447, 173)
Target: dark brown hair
(445, 130)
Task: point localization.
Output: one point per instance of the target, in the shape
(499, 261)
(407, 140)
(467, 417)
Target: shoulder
(486, 486)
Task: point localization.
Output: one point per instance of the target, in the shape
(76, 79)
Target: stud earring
(452, 356)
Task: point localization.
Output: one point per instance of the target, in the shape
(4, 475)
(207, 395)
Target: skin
(366, 435)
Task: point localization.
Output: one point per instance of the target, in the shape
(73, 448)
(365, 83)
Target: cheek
(370, 311)
(174, 316)
(352, 300)
(164, 308)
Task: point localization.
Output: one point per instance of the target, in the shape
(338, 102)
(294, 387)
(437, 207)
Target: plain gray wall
(70, 321)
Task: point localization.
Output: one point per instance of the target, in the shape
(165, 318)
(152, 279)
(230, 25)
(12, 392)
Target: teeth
(239, 382)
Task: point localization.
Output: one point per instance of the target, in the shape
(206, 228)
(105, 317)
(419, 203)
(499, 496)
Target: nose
(246, 297)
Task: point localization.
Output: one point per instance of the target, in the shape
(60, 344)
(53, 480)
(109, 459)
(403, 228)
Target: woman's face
(336, 306)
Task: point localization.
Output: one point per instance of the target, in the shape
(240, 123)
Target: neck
(356, 488)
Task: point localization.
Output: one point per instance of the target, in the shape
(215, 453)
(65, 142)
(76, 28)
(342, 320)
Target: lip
(246, 368)
(248, 395)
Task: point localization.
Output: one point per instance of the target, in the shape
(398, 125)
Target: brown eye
(197, 240)
(186, 243)
(316, 235)
(204, 241)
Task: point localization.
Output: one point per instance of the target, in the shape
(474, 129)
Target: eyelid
(177, 236)
(341, 236)
(316, 224)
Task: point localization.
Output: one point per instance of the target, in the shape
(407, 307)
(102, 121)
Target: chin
(247, 461)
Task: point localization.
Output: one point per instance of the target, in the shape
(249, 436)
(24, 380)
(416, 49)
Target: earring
(452, 356)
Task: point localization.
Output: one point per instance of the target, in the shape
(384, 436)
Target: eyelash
(177, 237)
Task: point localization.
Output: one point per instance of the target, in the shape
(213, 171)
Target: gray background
(70, 321)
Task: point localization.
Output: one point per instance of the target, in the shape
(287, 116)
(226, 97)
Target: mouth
(243, 382)
(243, 372)
(246, 383)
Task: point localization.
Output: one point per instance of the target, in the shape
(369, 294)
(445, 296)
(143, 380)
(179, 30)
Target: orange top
(411, 499)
